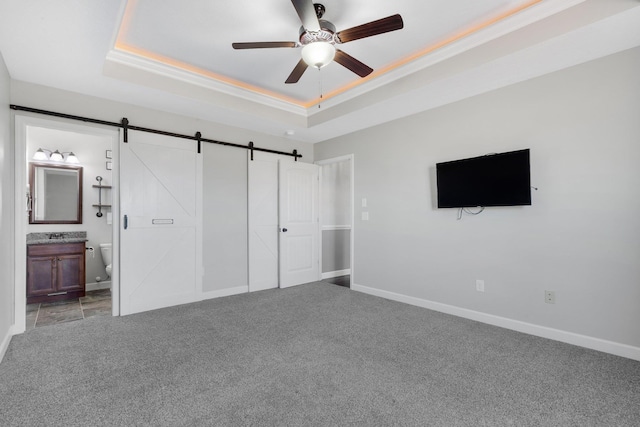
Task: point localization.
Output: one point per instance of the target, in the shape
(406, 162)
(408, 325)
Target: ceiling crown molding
(132, 67)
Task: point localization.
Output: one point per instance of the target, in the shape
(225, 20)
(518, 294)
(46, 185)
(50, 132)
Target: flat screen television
(492, 180)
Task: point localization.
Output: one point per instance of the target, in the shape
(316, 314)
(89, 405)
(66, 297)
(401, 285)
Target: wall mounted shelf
(100, 187)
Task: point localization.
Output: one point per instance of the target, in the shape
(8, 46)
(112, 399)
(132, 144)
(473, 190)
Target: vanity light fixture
(72, 158)
(56, 156)
(43, 154)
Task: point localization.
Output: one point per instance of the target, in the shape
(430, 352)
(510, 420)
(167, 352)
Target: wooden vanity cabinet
(55, 272)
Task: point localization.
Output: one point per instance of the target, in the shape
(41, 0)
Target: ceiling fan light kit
(319, 37)
(318, 54)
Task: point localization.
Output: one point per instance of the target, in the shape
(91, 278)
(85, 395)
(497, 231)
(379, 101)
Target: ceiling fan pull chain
(320, 85)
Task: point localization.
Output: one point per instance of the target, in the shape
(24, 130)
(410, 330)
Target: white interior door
(160, 231)
(263, 221)
(299, 223)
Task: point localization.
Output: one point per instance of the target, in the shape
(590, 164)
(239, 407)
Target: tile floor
(95, 303)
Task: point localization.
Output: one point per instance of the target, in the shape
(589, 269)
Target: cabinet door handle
(126, 222)
(57, 293)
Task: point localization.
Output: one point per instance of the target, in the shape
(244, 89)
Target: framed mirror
(56, 194)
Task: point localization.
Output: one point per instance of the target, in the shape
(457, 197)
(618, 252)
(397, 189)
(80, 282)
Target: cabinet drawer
(56, 249)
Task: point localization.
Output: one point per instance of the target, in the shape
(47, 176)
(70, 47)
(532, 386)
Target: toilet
(105, 250)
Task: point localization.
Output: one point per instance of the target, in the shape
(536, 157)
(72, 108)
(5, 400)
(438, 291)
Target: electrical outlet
(550, 297)
(480, 285)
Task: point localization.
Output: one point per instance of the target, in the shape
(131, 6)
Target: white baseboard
(605, 346)
(225, 292)
(5, 344)
(98, 285)
(337, 273)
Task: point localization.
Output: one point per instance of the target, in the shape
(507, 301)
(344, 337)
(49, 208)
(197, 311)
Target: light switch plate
(365, 216)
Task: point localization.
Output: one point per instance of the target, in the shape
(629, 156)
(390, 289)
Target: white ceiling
(176, 56)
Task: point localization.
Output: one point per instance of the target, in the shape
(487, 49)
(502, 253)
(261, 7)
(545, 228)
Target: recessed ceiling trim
(201, 79)
(464, 40)
(579, 45)
(448, 48)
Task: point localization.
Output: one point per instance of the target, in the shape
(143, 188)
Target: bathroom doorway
(95, 149)
(336, 217)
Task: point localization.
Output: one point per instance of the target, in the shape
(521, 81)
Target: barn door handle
(161, 221)
(126, 222)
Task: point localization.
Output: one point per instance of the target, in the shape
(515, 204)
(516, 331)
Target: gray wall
(336, 216)
(225, 251)
(580, 238)
(335, 250)
(6, 212)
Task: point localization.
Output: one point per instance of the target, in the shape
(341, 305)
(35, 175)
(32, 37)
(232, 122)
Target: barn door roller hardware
(124, 124)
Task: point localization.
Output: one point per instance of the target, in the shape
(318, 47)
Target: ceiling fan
(318, 39)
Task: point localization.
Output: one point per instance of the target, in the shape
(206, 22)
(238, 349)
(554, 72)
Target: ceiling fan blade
(307, 13)
(384, 25)
(352, 63)
(297, 72)
(262, 45)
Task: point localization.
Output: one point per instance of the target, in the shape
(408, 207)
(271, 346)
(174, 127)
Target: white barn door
(299, 223)
(263, 221)
(160, 230)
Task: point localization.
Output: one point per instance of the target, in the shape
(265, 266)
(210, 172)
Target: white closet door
(263, 221)
(160, 233)
(299, 223)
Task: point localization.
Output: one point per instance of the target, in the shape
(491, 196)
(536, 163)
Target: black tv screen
(492, 180)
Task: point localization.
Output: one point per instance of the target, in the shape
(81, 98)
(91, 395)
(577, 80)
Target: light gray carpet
(315, 354)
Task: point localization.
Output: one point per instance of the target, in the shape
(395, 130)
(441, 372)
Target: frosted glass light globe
(56, 156)
(318, 54)
(40, 155)
(72, 158)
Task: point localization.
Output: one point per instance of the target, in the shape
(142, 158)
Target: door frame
(21, 122)
(350, 158)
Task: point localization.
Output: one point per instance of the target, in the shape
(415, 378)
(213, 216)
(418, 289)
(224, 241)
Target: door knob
(284, 230)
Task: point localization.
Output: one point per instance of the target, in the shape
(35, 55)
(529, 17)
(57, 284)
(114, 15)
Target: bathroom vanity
(55, 269)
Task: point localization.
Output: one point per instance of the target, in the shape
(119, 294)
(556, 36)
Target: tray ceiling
(176, 56)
